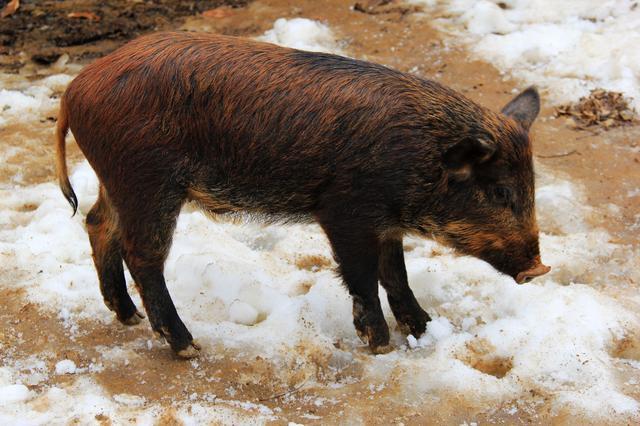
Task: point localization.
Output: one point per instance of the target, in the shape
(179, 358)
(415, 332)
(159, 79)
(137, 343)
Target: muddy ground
(42, 31)
(603, 161)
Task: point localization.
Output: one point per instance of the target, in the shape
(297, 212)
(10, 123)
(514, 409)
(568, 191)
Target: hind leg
(104, 235)
(147, 230)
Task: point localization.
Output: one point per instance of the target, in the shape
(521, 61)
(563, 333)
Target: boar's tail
(61, 162)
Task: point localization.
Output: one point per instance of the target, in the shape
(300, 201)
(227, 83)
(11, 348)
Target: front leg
(356, 252)
(412, 319)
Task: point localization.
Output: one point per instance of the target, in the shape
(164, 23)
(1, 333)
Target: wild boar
(239, 126)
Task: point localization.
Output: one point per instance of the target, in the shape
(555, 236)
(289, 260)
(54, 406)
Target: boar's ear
(524, 108)
(460, 158)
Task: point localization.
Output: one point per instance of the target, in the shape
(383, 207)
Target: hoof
(414, 324)
(404, 329)
(370, 324)
(377, 339)
(135, 319)
(363, 337)
(415, 331)
(191, 351)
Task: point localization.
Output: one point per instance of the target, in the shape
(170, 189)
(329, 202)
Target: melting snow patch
(129, 400)
(491, 339)
(303, 34)
(243, 313)
(82, 402)
(14, 103)
(13, 393)
(31, 101)
(569, 47)
(66, 367)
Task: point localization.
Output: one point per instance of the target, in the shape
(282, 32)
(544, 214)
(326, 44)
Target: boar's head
(490, 211)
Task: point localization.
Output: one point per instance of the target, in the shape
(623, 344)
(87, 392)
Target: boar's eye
(502, 195)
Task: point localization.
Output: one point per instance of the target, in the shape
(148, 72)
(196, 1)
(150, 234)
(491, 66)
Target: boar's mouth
(508, 266)
(531, 273)
(520, 259)
(522, 276)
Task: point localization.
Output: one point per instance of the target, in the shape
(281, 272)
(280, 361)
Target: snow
(567, 47)
(30, 101)
(560, 197)
(243, 313)
(65, 366)
(81, 401)
(555, 337)
(223, 277)
(129, 400)
(241, 286)
(13, 393)
(303, 34)
(13, 102)
(85, 402)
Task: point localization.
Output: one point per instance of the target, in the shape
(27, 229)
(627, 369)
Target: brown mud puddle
(606, 163)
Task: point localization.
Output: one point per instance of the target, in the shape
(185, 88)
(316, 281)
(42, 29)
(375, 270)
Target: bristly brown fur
(368, 152)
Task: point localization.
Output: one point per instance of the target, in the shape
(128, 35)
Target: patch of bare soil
(478, 354)
(41, 31)
(313, 263)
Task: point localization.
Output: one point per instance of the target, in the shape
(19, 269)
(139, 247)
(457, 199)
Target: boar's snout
(537, 270)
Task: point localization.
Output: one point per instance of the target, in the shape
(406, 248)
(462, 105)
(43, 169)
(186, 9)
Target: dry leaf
(600, 108)
(84, 15)
(626, 115)
(217, 13)
(10, 8)
(381, 7)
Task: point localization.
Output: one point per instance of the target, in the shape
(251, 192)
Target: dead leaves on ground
(217, 13)
(383, 7)
(10, 8)
(90, 16)
(601, 108)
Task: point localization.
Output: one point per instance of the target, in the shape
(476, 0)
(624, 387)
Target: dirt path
(606, 163)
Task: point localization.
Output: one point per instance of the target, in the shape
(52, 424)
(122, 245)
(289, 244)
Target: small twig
(287, 393)
(594, 132)
(591, 134)
(564, 154)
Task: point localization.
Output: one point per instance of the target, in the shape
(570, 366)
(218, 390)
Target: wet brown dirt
(42, 31)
